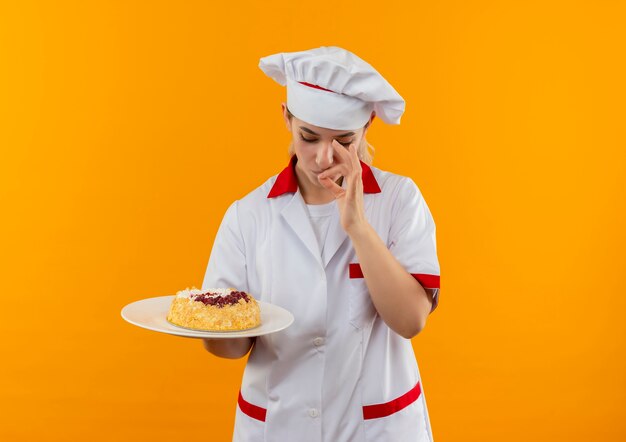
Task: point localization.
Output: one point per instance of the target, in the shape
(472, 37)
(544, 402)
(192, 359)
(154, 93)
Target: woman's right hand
(229, 348)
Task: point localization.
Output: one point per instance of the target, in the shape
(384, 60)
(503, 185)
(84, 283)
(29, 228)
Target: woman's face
(312, 146)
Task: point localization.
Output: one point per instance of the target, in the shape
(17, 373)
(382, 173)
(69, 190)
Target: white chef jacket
(338, 373)
(321, 217)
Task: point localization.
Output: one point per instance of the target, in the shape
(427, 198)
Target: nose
(324, 157)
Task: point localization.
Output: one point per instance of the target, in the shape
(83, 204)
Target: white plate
(151, 313)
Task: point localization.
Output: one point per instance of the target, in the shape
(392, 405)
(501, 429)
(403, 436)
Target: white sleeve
(227, 263)
(412, 237)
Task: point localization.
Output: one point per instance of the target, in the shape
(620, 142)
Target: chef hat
(333, 88)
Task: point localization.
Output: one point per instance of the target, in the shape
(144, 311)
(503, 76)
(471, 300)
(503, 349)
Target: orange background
(127, 128)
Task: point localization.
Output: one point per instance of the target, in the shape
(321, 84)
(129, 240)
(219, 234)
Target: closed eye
(314, 140)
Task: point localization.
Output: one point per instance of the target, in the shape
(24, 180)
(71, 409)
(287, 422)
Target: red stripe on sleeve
(427, 281)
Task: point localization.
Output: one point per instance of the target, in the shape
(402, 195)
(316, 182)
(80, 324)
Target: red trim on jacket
(387, 408)
(355, 271)
(251, 410)
(427, 281)
(288, 182)
(369, 411)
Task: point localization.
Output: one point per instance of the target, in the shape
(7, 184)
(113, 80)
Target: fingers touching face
(315, 144)
(321, 149)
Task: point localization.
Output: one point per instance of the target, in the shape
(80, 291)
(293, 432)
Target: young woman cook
(349, 249)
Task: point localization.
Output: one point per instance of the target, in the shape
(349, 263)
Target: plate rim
(191, 333)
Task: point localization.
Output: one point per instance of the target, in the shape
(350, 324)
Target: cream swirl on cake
(214, 309)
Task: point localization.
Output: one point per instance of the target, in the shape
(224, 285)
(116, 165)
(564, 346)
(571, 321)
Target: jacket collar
(287, 181)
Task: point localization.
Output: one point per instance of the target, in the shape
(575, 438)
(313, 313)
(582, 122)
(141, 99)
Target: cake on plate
(214, 309)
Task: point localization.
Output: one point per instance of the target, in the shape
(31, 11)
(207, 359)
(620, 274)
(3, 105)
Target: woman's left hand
(350, 199)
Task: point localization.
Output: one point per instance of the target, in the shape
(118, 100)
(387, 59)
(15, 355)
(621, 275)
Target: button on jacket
(338, 373)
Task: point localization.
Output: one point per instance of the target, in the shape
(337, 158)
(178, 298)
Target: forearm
(234, 348)
(400, 299)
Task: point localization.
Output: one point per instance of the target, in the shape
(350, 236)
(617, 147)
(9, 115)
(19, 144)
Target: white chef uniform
(320, 216)
(338, 373)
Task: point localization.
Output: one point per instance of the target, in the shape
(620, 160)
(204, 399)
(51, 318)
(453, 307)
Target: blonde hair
(362, 151)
